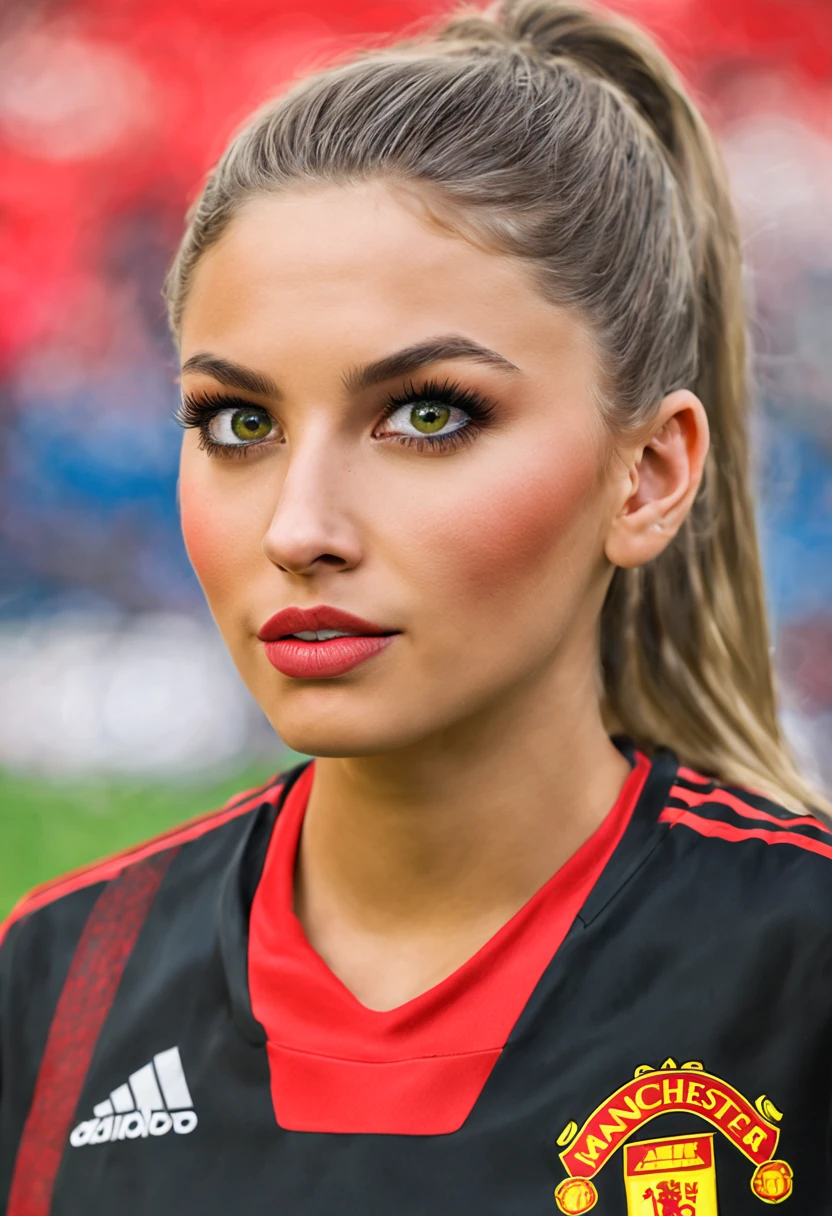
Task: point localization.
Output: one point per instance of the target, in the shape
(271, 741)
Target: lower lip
(319, 660)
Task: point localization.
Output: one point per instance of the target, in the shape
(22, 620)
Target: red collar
(337, 1066)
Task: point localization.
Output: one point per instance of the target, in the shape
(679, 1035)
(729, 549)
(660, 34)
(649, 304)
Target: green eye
(250, 424)
(429, 416)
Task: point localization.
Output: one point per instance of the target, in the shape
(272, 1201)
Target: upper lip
(297, 620)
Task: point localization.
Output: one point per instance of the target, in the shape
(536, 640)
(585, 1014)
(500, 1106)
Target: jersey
(648, 1036)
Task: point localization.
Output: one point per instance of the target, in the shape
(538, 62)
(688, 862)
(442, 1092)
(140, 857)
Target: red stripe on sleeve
(726, 831)
(689, 774)
(724, 798)
(111, 931)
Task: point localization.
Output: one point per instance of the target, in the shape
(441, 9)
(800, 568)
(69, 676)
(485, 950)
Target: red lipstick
(308, 658)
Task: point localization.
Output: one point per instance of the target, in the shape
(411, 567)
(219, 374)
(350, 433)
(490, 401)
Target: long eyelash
(448, 392)
(194, 412)
(197, 413)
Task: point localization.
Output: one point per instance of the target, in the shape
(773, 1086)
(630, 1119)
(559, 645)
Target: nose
(313, 527)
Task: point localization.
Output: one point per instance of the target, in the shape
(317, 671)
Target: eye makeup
(205, 412)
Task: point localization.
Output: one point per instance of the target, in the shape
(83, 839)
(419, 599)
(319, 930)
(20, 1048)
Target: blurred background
(120, 713)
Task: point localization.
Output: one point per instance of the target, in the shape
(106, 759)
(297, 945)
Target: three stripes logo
(152, 1102)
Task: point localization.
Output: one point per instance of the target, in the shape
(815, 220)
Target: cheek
(515, 530)
(200, 539)
(217, 540)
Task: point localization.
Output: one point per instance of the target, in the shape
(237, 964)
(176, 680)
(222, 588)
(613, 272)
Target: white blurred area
(64, 97)
(153, 695)
(808, 736)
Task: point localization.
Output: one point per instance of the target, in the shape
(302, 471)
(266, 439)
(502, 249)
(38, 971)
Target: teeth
(320, 635)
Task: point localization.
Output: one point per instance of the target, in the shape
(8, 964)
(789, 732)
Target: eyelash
(198, 412)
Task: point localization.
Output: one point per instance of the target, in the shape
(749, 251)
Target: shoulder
(706, 810)
(747, 885)
(68, 898)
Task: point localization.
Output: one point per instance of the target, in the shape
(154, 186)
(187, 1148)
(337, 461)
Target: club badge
(675, 1176)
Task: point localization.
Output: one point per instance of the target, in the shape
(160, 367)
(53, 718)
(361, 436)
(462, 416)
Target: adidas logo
(152, 1102)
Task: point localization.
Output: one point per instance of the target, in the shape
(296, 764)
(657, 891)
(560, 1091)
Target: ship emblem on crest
(675, 1176)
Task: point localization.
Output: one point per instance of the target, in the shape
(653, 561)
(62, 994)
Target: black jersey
(649, 1035)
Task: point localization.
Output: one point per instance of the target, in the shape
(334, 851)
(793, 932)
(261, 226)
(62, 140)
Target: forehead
(342, 263)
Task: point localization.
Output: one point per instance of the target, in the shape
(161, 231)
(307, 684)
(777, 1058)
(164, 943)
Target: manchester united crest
(675, 1176)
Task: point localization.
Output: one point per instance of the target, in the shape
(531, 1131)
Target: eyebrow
(232, 375)
(402, 363)
(434, 350)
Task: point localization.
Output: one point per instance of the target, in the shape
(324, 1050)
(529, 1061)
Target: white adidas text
(153, 1101)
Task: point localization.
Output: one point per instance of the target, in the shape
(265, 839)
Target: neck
(445, 841)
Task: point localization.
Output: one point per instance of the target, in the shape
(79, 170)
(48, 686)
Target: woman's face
(401, 428)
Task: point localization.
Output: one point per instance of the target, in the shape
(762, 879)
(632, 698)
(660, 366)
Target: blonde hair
(563, 137)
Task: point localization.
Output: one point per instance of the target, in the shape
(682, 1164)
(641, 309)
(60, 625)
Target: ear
(662, 477)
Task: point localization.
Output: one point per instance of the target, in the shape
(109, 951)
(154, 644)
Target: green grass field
(48, 828)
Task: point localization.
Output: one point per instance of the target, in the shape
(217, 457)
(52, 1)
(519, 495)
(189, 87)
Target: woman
(544, 925)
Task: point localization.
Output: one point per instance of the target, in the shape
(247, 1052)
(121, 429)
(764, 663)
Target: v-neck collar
(338, 1066)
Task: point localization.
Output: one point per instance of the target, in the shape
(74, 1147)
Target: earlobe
(666, 471)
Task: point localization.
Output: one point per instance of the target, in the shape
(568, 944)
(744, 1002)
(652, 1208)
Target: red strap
(95, 972)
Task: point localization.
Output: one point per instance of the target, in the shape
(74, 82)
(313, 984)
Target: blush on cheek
(518, 527)
(208, 533)
(199, 542)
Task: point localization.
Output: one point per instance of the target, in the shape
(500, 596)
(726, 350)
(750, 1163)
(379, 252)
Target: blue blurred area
(89, 495)
(796, 523)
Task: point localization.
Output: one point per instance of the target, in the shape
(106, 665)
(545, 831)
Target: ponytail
(685, 644)
(564, 137)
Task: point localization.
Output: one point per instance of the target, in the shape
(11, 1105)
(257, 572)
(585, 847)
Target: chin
(325, 722)
(336, 739)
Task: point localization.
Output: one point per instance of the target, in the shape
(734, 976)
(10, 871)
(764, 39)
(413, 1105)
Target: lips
(299, 620)
(306, 659)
